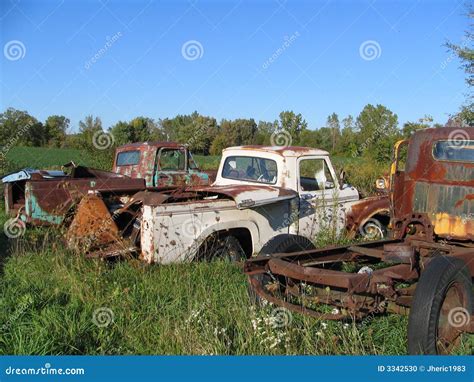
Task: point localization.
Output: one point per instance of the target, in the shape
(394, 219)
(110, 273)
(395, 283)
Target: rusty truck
(43, 197)
(424, 270)
(259, 193)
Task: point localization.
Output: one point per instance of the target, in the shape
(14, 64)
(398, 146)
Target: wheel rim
(373, 232)
(449, 331)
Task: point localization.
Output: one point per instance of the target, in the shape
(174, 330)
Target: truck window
(315, 175)
(462, 151)
(172, 160)
(128, 158)
(250, 169)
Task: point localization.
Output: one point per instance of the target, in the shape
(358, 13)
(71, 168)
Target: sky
(230, 59)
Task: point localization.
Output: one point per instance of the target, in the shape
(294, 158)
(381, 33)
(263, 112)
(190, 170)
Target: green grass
(53, 158)
(48, 297)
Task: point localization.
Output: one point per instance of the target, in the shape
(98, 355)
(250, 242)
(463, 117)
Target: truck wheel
(227, 248)
(441, 306)
(373, 230)
(285, 243)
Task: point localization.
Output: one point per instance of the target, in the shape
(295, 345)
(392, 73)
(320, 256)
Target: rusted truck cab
(42, 197)
(433, 195)
(161, 164)
(424, 270)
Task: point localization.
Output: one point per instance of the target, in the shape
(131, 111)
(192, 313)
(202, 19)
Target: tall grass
(50, 299)
(55, 302)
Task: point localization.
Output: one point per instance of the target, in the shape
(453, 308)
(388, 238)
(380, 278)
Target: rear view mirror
(342, 178)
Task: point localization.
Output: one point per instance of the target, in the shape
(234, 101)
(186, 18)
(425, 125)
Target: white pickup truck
(261, 195)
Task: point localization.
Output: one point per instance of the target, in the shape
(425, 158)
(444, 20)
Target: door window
(172, 160)
(315, 175)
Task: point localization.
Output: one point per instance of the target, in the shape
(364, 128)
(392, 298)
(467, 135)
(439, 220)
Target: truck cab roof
(153, 144)
(285, 151)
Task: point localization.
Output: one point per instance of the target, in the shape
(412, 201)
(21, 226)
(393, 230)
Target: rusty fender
(364, 209)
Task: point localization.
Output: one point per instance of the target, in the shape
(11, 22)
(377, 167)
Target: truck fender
(227, 226)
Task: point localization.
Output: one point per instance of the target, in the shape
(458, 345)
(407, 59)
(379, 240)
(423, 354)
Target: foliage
(465, 53)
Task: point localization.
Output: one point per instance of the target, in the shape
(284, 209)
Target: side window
(315, 175)
(172, 160)
(454, 151)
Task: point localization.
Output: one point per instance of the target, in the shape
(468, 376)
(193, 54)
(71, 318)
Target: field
(55, 302)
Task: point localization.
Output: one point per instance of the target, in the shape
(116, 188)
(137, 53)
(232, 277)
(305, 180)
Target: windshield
(250, 169)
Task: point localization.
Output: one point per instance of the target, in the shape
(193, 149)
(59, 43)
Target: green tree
(88, 128)
(294, 124)
(19, 128)
(410, 127)
(55, 129)
(264, 132)
(465, 53)
(335, 127)
(347, 142)
(377, 132)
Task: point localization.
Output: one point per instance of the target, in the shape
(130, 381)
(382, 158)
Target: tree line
(372, 133)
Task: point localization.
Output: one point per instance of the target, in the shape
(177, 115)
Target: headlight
(380, 184)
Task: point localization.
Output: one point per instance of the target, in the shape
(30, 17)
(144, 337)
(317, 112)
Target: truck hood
(249, 196)
(29, 173)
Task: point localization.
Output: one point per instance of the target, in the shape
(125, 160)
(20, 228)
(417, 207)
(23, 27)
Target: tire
(373, 230)
(444, 287)
(227, 248)
(285, 243)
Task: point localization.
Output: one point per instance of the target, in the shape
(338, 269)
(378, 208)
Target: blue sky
(56, 59)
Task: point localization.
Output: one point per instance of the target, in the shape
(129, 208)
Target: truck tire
(227, 248)
(442, 302)
(373, 230)
(285, 243)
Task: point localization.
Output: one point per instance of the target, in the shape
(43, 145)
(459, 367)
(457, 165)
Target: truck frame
(424, 270)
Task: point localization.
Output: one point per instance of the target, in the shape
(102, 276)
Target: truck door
(318, 195)
(171, 167)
